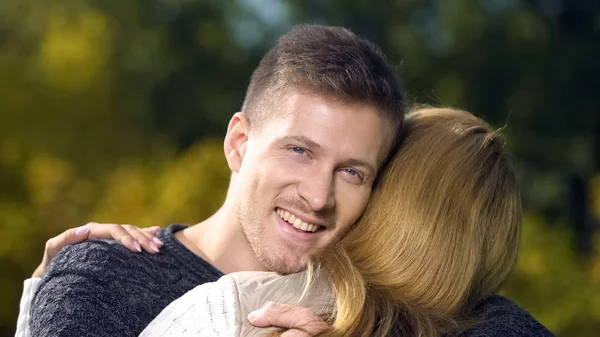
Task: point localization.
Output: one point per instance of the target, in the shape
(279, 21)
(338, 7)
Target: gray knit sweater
(100, 288)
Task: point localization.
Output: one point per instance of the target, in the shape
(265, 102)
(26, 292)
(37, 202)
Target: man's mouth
(297, 222)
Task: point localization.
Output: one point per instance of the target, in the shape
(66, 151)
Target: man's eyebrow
(314, 146)
(366, 164)
(306, 142)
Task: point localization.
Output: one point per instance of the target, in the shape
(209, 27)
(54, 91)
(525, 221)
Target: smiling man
(300, 180)
(322, 112)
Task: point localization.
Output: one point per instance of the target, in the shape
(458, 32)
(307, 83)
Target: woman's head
(442, 229)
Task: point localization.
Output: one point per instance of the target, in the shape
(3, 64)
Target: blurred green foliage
(113, 111)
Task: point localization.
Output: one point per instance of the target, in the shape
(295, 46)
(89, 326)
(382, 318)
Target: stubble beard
(282, 261)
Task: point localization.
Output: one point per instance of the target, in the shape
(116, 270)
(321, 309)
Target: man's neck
(220, 240)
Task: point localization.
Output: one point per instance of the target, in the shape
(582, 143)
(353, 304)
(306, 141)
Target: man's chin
(285, 265)
(290, 270)
(286, 268)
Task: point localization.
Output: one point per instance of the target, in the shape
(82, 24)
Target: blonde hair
(441, 232)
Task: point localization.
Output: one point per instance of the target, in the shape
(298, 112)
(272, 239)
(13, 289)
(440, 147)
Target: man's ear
(236, 141)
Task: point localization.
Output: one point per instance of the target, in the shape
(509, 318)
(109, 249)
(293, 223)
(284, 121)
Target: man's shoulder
(175, 265)
(104, 279)
(82, 283)
(94, 257)
(499, 316)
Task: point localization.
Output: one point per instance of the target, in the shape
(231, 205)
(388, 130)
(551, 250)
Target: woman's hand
(134, 238)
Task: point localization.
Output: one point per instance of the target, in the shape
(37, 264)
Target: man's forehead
(344, 146)
(354, 129)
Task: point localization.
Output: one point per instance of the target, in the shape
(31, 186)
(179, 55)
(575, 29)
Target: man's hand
(299, 322)
(132, 237)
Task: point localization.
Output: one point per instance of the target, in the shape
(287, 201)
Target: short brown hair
(329, 61)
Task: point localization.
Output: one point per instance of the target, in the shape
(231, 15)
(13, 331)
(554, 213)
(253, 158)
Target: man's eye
(351, 172)
(352, 176)
(298, 150)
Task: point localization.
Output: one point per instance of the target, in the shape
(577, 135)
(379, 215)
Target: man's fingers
(295, 333)
(304, 320)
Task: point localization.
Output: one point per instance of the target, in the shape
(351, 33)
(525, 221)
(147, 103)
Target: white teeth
(304, 226)
(296, 222)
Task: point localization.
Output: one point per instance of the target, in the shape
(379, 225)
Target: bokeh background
(114, 111)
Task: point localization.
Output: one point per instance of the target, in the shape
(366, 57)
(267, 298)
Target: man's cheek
(357, 205)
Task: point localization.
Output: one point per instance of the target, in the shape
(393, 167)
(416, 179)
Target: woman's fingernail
(157, 241)
(252, 316)
(153, 246)
(137, 246)
(83, 230)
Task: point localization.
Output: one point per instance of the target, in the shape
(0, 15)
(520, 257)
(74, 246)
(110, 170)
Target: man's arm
(83, 293)
(499, 317)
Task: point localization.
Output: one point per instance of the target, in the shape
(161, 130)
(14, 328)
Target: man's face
(305, 176)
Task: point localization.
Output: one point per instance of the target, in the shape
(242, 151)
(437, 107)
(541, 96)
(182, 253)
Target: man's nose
(318, 190)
